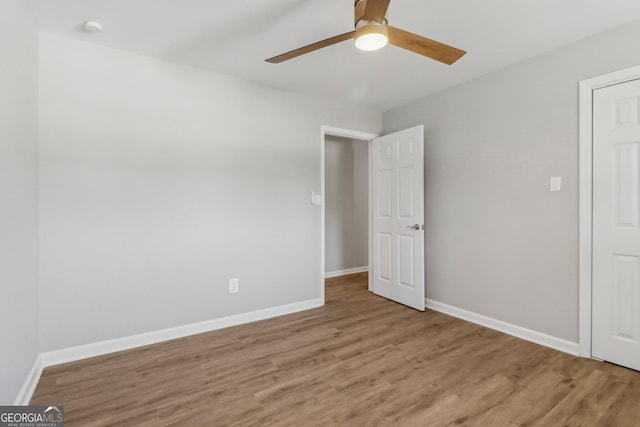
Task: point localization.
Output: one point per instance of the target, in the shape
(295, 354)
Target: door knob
(414, 227)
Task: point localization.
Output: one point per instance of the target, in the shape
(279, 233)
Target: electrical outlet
(234, 285)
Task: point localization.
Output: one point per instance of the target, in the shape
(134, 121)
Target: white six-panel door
(616, 224)
(398, 217)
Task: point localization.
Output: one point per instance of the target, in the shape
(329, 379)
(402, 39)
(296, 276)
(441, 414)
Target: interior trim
(507, 328)
(100, 348)
(586, 196)
(30, 383)
(338, 273)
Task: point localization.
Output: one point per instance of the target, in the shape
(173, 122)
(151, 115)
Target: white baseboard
(508, 328)
(72, 354)
(29, 386)
(338, 273)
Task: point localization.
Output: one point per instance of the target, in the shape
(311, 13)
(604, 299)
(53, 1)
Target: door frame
(585, 214)
(344, 133)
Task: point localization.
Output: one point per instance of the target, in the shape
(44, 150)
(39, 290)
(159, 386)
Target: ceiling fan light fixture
(372, 33)
(371, 36)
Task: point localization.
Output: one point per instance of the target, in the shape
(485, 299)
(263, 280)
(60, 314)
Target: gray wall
(160, 182)
(346, 203)
(498, 242)
(18, 197)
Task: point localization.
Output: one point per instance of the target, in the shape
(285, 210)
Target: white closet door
(616, 224)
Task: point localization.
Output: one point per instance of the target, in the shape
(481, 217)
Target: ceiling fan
(372, 32)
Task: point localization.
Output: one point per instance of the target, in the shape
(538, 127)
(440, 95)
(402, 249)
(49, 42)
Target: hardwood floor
(360, 361)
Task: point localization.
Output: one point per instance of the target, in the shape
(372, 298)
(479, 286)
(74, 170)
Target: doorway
(357, 137)
(395, 213)
(346, 204)
(609, 218)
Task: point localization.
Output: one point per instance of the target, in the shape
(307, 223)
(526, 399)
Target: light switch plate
(315, 199)
(555, 183)
(234, 285)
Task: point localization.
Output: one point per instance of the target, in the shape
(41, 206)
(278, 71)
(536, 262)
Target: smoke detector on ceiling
(93, 27)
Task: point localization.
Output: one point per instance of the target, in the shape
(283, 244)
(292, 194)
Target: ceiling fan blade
(424, 46)
(375, 10)
(310, 48)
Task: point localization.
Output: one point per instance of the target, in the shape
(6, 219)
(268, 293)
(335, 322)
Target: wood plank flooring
(358, 361)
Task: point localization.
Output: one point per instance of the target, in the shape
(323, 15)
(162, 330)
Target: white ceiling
(236, 36)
